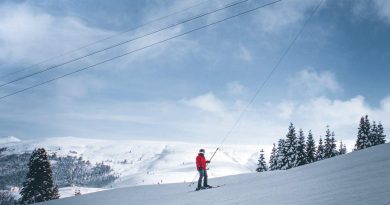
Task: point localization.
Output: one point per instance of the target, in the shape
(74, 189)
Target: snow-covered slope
(360, 177)
(147, 162)
(8, 139)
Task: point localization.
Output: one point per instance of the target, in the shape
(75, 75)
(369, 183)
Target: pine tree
(262, 165)
(381, 135)
(301, 152)
(310, 148)
(342, 148)
(362, 141)
(330, 146)
(282, 160)
(39, 186)
(320, 151)
(290, 148)
(273, 161)
(333, 146)
(374, 135)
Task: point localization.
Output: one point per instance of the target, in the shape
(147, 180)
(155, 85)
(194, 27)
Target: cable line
(262, 85)
(139, 49)
(105, 39)
(125, 42)
(260, 88)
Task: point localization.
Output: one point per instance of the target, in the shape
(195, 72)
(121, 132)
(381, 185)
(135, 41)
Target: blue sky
(194, 87)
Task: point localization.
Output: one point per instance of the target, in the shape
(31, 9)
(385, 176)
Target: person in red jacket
(202, 169)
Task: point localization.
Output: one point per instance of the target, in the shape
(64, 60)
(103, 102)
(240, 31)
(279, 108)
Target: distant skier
(201, 166)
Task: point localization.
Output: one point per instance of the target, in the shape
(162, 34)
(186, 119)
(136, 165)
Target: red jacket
(200, 162)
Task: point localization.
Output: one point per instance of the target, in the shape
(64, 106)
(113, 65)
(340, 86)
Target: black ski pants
(202, 175)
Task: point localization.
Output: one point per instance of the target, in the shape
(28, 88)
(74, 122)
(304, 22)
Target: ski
(217, 186)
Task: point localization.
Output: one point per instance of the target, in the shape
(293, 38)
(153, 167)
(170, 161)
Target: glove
(207, 161)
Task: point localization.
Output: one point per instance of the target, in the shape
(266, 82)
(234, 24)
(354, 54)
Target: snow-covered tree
(333, 146)
(310, 148)
(373, 137)
(273, 161)
(262, 165)
(342, 148)
(363, 136)
(381, 137)
(320, 151)
(330, 144)
(300, 151)
(39, 185)
(377, 135)
(282, 160)
(290, 148)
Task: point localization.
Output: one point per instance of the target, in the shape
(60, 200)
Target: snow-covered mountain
(361, 177)
(8, 139)
(146, 162)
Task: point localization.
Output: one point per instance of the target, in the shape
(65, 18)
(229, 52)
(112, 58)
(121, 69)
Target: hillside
(360, 177)
(143, 162)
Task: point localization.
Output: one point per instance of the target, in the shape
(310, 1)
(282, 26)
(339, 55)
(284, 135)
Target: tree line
(295, 150)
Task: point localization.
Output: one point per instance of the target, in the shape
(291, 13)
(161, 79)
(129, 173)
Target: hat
(201, 151)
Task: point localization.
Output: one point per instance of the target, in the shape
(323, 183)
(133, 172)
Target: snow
(149, 162)
(70, 191)
(8, 139)
(361, 177)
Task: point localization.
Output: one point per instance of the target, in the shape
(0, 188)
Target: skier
(201, 166)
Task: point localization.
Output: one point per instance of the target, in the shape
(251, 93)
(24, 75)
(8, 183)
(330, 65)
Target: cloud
(77, 87)
(383, 7)
(367, 9)
(244, 54)
(284, 14)
(309, 82)
(29, 35)
(342, 116)
(236, 88)
(207, 102)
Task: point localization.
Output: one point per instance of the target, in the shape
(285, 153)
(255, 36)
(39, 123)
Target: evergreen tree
(310, 148)
(301, 152)
(262, 165)
(342, 148)
(333, 146)
(320, 155)
(362, 141)
(282, 160)
(381, 135)
(330, 144)
(377, 134)
(290, 148)
(374, 135)
(273, 161)
(38, 186)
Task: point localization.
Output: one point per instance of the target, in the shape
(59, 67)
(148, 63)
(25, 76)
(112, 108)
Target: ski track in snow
(357, 178)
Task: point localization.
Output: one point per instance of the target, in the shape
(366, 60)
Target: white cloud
(29, 35)
(244, 54)
(236, 88)
(342, 116)
(77, 87)
(309, 82)
(367, 9)
(286, 109)
(207, 102)
(383, 7)
(283, 14)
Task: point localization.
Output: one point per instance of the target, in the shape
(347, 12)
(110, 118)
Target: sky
(195, 87)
